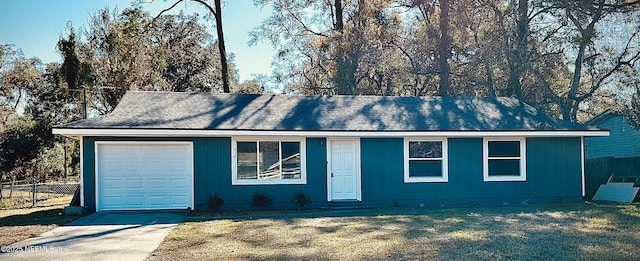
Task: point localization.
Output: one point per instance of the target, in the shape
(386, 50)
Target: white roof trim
(228, 133)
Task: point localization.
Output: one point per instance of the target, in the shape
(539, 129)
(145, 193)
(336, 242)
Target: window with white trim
(257, 161)
(504, 159)
(425, 160)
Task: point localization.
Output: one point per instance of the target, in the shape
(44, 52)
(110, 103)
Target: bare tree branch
(165, 10)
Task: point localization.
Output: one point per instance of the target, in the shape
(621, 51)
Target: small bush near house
(261, 201)
(301, 199)
(215, 202)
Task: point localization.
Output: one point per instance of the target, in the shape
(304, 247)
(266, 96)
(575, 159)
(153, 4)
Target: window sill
(505, 178)
(267, 182)
(426, 180)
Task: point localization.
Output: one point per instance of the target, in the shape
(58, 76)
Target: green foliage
(130, 50)
(31, 102)
(632, 114)
(22, 142)
(261, 201)
(302, 199)
(215, 203)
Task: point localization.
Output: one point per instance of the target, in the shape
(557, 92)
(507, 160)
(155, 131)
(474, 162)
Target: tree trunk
(520, 57)
(570, 106)
(223, 51)
(339, 25)
(217, 13)
(443, 48)
(348, 57)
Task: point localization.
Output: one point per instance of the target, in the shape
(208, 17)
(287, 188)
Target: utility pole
(84, 101)
(84, 116)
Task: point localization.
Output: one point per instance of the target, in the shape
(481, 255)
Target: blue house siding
(553, 174)
(88, 169)
(623, 142)
(218, 177)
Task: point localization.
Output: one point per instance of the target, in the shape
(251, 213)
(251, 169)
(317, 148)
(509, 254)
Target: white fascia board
(372, 134)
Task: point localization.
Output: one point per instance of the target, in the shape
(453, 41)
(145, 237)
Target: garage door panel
(112, 166)
(135, 151)
(144, 175)
(113, 200)
(178, 200)
(158, 166)
(178, 166)
(135, 167)
(112, 184)
(158, 200)
(157, 183)
(135, 201)
(177, 183)
(135, 183)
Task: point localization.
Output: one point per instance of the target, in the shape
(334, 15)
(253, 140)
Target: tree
(21, 76)
(189, 55)
(632, 114)
(444, 48)
(217, 13)
(131, 51)
(595, 61)
(327, 47)
(34, 105)
(551, 54)
(22, 142)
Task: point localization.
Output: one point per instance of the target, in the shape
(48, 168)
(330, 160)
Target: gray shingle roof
(191, 111)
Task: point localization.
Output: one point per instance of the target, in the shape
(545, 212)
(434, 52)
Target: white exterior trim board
(234, 162)
(522, 158)
(293, 133)
(445, 160)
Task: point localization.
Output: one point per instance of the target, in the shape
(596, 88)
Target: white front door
(344, 169)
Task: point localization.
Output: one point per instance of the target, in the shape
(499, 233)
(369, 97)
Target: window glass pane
(504, 149)
(425, 168)
(504, 167)
(290, 160)
(425, 149)
(269, 160)
(247, 160)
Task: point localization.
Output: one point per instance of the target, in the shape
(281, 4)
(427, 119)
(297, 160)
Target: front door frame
(358, 166)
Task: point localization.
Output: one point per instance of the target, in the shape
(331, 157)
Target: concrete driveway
(121, 235)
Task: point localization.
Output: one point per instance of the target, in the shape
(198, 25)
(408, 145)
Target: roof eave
(131, 132)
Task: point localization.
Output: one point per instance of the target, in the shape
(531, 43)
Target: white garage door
(144, 175)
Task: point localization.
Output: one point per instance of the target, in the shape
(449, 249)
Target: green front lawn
(562, 232)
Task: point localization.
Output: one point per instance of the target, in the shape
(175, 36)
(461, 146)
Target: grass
(20, 224)
(561, 232)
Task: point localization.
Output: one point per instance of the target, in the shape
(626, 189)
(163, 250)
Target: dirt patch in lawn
(573, 232)
(20, 224)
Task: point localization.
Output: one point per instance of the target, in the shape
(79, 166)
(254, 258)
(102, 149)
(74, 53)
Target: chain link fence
(21, 194)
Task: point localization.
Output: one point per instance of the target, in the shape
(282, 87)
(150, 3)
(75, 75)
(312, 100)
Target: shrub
(261, 201)
(301, 199)
(215, 202)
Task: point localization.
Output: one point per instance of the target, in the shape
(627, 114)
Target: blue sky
(36, 25)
